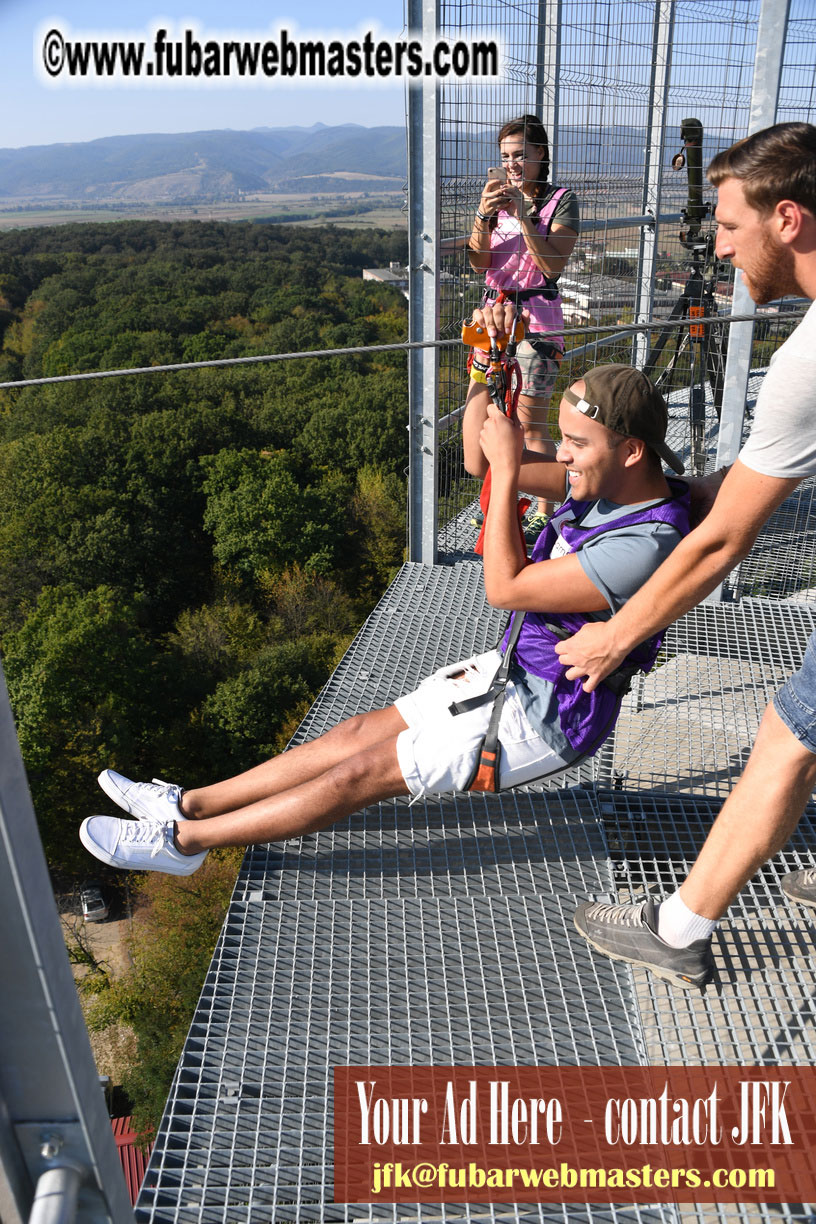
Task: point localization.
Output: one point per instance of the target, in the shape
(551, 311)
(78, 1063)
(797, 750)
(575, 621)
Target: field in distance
(358, 211)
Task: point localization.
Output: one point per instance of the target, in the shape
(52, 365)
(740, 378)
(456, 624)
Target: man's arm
(558, 585)
(725, 536)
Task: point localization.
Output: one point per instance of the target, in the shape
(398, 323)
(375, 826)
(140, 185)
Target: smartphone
(497, 172)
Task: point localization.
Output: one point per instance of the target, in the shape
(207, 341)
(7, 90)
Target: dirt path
(114, 1047)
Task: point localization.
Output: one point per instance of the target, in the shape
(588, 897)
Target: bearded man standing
(766, 214)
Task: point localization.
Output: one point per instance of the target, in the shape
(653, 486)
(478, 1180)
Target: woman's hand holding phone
(494, 192)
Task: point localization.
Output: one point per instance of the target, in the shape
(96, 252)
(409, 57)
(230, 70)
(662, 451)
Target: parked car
(94, 906)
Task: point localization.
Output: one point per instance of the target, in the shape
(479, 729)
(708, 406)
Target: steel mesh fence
(587, 67)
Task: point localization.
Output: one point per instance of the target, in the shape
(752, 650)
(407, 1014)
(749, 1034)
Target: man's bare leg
(366, 777)
(756, 820)
(294, 767)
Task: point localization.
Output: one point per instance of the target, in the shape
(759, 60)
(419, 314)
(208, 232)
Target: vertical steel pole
(53, 1118)
(548, 71)
(662, 31)
(770, 50)
(423, 293)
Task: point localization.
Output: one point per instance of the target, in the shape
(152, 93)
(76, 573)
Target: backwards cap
(626, 401)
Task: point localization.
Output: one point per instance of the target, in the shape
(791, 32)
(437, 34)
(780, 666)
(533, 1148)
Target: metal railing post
(423, 294)
(548, 64)
(662, 32)
(52, 1111)
(770, 50)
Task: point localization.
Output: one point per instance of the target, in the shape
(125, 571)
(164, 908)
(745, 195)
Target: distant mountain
(206, 165)
(224, 164)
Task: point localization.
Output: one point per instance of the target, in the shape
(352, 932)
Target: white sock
(678, 926)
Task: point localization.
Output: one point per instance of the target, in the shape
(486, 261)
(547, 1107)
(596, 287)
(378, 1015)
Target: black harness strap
(500, 676)
(485, 776)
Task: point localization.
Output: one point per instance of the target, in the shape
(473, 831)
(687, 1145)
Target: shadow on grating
(466, 845)
(688, 726)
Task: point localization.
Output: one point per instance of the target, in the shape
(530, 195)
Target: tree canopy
(183, 556)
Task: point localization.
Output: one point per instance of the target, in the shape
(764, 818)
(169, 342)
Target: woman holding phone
(523, 234)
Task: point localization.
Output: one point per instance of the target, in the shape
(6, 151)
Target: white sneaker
(154, 800)
(137, 845)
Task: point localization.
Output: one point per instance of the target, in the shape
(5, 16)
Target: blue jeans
(795, 703)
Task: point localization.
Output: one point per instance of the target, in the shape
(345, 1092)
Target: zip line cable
(403, 346)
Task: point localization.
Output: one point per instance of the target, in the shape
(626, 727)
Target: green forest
(184, 556)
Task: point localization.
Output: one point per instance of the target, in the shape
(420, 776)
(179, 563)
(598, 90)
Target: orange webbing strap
(512, 398)
(485, 776)
(484, 501)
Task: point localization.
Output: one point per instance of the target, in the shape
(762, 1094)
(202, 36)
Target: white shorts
(438, 751)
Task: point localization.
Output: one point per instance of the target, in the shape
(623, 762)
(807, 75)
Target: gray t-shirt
(566, 210)
(782, 441)
(618, 563)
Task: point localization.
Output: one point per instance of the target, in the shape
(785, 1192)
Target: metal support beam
(52, 1110)
(662, 31)
(770, 50)
(423, 294)
(548, 74)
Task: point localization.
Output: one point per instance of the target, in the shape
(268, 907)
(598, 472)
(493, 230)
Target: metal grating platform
(431, 933)
(763, 1009)
(465, 846)
(441, 932)
(296, 989)
(689, 725)
(781, 563)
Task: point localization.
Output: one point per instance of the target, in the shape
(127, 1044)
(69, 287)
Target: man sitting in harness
(621, 518)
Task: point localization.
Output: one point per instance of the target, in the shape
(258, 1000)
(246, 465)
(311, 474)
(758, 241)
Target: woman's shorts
(438, 751)
(795, 703)
(539, 360)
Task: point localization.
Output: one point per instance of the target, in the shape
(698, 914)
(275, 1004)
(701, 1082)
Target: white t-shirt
(782, 441)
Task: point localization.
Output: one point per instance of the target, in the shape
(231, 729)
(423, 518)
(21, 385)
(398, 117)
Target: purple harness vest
(587, 718)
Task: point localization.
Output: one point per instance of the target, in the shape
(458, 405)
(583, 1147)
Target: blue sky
(37, 114)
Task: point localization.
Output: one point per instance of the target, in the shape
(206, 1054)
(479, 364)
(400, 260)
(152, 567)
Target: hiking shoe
(154, 800)
(629, 933)
(136, 845)
(800, 886)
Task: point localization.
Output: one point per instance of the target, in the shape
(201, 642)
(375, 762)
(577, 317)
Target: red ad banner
(575, 1134)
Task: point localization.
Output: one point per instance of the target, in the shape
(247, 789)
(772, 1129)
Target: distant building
(394, 275)
(585, 298)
